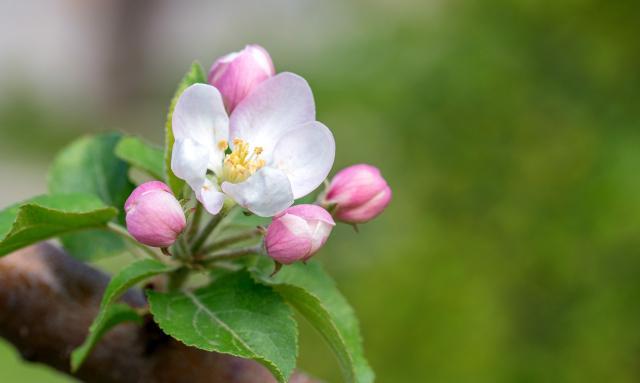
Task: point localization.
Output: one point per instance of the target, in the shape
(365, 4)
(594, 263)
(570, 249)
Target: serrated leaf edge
(275, 285)
(23, 208)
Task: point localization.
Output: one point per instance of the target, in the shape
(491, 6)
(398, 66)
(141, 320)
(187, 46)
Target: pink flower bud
(359, 192)
(237, 74)
(154, 215)
(297, 233)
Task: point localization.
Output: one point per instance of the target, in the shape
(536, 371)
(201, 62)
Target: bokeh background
(509, 131)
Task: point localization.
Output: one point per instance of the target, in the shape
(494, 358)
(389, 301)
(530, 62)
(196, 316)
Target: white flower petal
(276, 106)
(189, 161)
(306, 155)
(210, 197)
(265, 193)
(200, 115)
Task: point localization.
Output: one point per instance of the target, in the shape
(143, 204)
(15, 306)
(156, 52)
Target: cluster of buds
(355, 195)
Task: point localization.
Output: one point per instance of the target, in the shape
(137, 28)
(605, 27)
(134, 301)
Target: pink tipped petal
(265, 193)
(359, 192)
(288, 239)
(275, 107)
(306, 155)
(320, 223)
(154, 217)
(143, 189)
(319, 235)
(211, 198)
(310, 212)
(290, 230)
(189, 161)
(237, 74)
(368, 210)
(355, 185)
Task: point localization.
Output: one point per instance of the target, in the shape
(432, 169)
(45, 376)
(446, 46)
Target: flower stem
(208, 229)
(195, 223)
(121, 231)
(225, 255)
(254, 233)
(177, 278)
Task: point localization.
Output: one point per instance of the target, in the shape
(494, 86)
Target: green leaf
(234, 315)
(108, 316)
(141, 155)
(48, 216)
(195, 75)
(93, 244)
(111, 316)
(89, 165)
(129, 276)
(314, 294)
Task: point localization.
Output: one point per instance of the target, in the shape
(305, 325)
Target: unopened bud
(154, 216)
(359, 194)
(237, 74)
(297, 233)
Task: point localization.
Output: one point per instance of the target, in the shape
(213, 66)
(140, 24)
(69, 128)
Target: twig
(195, 223)
(121, 231)
(204, 234)
(226, 255)
(221, 244)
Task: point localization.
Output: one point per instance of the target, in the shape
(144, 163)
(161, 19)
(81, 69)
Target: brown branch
(47, 302)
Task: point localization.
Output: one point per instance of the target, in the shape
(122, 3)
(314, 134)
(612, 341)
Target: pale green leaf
(47, 216)
(314, 294)
(109, 318)
(234, 315)
(195, 75)
(141, 155)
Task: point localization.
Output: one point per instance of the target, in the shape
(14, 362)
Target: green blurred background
(508, 130)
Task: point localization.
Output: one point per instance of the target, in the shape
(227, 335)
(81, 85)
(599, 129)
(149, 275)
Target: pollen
(223, 144)
(241, 163)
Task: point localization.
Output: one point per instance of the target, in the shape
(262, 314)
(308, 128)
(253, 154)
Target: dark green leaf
(314, 294)
(109, 318)
(235, 316)
(142, 155)
(89, 165)
(48, 216)
(194, 75)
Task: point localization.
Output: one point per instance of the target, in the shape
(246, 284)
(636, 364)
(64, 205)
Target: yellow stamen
(223, 144)
(239, 165)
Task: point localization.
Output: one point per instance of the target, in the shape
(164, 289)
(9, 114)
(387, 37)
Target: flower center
(240, 164)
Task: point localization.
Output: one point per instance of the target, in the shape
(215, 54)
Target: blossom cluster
(250, 138)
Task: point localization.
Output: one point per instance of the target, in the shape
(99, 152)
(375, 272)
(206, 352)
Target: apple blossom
(279, 152)
(153, 215)
(237, 74)
(297, 233)
(359, 193)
